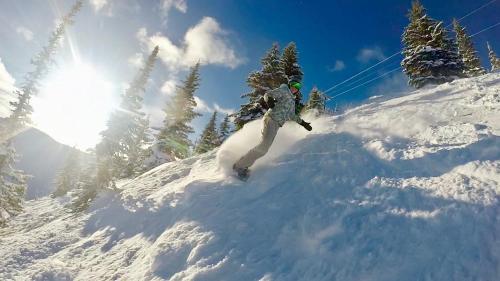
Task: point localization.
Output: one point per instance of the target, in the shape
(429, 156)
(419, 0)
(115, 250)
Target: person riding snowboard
(282, 105)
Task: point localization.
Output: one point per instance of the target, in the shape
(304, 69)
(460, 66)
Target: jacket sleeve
(271, 94)
(277, 93)
(297, 118)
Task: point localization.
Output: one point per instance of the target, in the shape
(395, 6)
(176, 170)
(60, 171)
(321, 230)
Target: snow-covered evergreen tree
(290, 61)
(316, 102)
(468, 55)
(430, 57)
(173, 138)
(494, 60)
(95, 177)
(21, 108)
(224, 129)
(123, 142)
(209, 138)
(12, 184)
(68, 177)
(86, 190)
(271, 76)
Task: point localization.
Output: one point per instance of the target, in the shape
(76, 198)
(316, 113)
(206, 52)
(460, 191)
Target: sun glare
(74, 104)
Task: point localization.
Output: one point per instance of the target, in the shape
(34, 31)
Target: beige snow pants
(269, 131)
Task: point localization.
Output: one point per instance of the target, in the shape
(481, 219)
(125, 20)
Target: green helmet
(296, 85)
(294, 81)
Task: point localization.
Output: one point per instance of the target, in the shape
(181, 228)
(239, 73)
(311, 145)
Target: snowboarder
(282, 103)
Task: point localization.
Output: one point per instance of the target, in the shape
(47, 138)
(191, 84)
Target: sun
(74, 104)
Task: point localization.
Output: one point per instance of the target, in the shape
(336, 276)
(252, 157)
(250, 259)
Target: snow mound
(401, 189)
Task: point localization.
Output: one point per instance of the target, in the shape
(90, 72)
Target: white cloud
(223, 110)
(205, 42)
(168, 87)
(156, 115)
(98, 4)
(25, 32)
(203, 107)
(169, 53)
(368, 54)
(136, 60)
(339, 65)
(6, 89)
(167, 5)
(102, 5)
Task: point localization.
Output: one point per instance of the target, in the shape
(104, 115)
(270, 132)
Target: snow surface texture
(403, 189)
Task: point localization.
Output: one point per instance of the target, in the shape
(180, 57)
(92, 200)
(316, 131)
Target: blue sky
(336, 39)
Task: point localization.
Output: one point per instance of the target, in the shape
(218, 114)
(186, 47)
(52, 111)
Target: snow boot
(242, 173)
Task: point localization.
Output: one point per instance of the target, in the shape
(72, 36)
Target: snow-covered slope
(403, 189)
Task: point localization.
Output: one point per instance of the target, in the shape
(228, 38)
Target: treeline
(432, 56)
(127, 147)
(12, 181)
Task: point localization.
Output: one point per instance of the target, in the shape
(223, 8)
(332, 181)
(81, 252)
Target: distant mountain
(41, 157)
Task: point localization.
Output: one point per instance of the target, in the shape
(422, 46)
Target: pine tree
(316, 102)
(126, 135)
(12, 184)
(86, 190)
(271, 76)
(94, 178)
(494, 60)
(173, 138)
(209, 138)
(290, 61)
(430, 57)
(468, 55)
(224, 130)
(21, 109)
(69, 176)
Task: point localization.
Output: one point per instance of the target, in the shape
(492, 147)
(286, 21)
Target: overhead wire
(355, 81)
(367, 82)
(354, 76)
(486, 29)
(395, 54)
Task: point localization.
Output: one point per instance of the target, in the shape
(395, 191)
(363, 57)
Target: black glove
(255, 108)
(263, 103)
(306, 125)
(271, 102)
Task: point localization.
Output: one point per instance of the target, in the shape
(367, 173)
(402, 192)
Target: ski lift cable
(368, 75)
(385, 74)
(356, 75)
(393, 55)
(483, 6)
(486, 29)
(369, 81)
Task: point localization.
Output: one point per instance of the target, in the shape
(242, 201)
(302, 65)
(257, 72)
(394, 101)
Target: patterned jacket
(284, 108)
